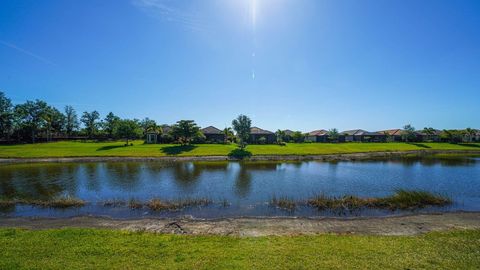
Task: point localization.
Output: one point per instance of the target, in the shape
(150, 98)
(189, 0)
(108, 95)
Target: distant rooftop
(320, 132)
(211, 130)
(359, 132)
(257, 130)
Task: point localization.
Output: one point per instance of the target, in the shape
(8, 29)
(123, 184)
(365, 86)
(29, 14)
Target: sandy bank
(398, 225)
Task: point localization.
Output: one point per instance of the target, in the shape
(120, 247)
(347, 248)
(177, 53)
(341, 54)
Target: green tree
(470, 133)
(298, 137)
(54, 121)
(409, 133)
(185, 130)
(452, 135)
(128, 129)
(228, 134)
(31, 116)
(280, 134)
(110, 124)
(333, 135)
(71, 120)
(6, 116)
(429, 132)
(90, 121)
(148, 124)
(242, 126)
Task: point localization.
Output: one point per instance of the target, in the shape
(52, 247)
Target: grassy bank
(107, 249)
(116, 149)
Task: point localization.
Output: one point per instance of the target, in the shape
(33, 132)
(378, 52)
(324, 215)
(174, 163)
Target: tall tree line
(36, 120)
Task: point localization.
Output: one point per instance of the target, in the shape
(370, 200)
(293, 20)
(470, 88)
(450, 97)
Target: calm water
(247, 186)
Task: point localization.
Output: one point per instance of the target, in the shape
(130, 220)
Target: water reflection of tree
(243, 181)
(38, 181)
(186, 174)
(124, 175)
(92, 181)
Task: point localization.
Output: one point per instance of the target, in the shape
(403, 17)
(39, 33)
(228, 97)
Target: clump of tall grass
(284, 203)
(135, 204)
(323, 202)
(411, 199)
(114, 203)
(6, 203)
(161, 205)
(400, 200)
(59, 202)
(225, 203)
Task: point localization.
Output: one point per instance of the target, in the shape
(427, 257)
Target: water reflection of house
(213, 134)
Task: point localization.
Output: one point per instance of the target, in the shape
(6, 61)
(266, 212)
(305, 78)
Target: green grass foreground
(109, 249)
(139, 149)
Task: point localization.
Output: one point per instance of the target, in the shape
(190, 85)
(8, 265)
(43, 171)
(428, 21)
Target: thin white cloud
(38, 57)
(168, 11)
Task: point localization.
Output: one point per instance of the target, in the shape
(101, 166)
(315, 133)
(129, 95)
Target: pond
(235, 188)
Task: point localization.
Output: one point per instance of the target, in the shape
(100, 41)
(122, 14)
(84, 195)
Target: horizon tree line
(33, 120)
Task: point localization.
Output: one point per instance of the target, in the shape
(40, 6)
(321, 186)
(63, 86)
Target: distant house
(288, 135)
(434, 136)
(166, 136)
(257, 133)
(213, 134)
(393, 135)
(320, 135)
(360, 135)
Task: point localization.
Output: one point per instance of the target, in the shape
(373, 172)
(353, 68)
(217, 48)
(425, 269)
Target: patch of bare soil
(398, 225)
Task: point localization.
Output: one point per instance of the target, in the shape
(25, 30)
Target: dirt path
(324, 157)
(400, 225)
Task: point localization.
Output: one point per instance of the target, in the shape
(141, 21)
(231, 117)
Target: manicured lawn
(108, 249)
(91, 149)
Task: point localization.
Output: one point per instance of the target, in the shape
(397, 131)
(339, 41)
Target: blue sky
(297, 64)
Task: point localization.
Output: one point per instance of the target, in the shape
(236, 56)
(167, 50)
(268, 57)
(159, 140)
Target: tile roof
(359, 132)
(320, 132)
(392, 132)
(211, 130)
(256, 130)
(288, 132)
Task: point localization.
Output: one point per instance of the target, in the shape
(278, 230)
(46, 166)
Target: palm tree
(409, 133)
(470, 133)
(228, 134)
(280, 135)
(333, 134)
(429, 132)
